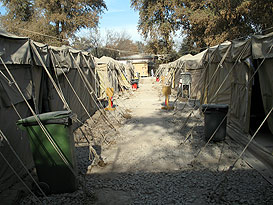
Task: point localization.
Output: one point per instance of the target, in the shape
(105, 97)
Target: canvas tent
(37, 69)
(78, 67)
(16, 54)
(221, 75)
(193, 65)
(111, 73)
(186, 63)
(238, 73)
(129, 70)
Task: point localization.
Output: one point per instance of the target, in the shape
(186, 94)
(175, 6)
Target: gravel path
(149, 162)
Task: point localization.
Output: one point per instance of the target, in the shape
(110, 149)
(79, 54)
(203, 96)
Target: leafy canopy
(203, 22)
(57, 18)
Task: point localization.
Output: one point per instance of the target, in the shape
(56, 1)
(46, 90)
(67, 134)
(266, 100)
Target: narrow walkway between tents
(148, 141)
(150, 164)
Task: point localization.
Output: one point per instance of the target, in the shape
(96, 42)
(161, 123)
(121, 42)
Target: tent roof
(104, 60)
(4, 33)
(14, 49)
(262, 46)
(137, 57)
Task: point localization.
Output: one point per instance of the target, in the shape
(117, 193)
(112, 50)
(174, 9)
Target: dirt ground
(154, 157)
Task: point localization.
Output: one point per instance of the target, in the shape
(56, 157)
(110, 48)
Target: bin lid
(185, 73)
(214, 107)
(45, 117)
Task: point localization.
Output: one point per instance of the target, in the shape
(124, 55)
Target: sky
(119, 17)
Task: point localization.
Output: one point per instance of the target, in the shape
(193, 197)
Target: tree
(205, 23)
(188, 47)
(159, 46)
(57, 18)
(115, 44)
(157, 20)
(119, 44)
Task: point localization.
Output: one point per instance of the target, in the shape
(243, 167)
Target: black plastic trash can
(215, 114)
(52, 171)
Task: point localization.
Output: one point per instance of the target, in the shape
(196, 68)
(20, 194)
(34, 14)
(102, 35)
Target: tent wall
(177, 75)
(8, 118)
(129, 70)
(226, 81)
(101, 72)
(19, 141)
(55, 102)
(237, 88)
(213, 83)
(113, 79)
(240, 97)
(262, 50)
(266, 85)
(195, 84)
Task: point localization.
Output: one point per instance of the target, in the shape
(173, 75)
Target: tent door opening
(257, 114)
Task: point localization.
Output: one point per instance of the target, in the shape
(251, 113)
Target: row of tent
(238, 73)
(50, 79)
(114, 74)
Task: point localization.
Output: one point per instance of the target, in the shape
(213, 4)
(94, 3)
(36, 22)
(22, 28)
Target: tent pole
(52, 142)
(62, 92)
(119, 101)
(95, 78)
(237, 60)
(251, 139)
(243, 151)
(21, 162)
(80, 101)
(239, 57)
(87, 84)
(13, 170)
(49, 75)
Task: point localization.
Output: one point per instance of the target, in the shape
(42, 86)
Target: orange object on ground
(134, 86)
(166, 90)
(110, 93)
(111, 102)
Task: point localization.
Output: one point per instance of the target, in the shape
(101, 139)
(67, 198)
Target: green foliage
(159, 46)
(157, 21)
(188, 47)
(57, 18)
(205, 23)
(114, 45)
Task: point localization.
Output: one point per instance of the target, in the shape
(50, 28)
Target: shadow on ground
(181, 187)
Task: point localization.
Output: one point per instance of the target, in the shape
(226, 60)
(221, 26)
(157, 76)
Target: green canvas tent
(37, 70)
(239, 73)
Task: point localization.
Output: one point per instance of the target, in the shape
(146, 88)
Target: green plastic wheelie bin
(51, 169)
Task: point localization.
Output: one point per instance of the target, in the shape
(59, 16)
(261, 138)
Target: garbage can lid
(185, 73)
(45, 117)
(206, 107)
